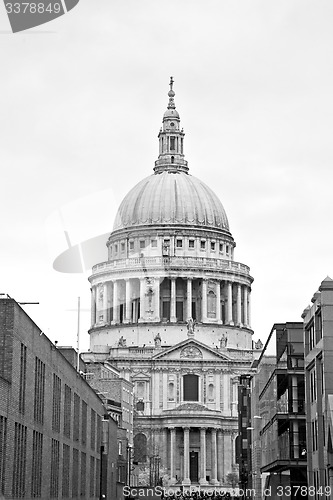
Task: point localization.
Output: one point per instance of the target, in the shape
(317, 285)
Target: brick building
(318, 323)
(51, 439)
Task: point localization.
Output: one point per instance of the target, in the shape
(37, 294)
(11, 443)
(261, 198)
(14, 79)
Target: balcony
(169, 263)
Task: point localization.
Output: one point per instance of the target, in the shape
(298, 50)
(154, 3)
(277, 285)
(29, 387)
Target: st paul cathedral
(171, 309)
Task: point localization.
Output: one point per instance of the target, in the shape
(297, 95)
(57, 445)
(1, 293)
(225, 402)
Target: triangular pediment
(191, 349)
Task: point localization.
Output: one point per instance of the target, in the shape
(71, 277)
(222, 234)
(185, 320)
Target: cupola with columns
(171, 260)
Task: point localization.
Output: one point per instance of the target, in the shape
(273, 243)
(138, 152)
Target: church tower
(171, 310)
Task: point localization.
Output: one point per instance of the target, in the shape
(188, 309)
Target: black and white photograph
(166, 298)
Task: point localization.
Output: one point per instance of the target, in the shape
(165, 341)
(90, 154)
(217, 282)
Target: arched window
(171, 391)
(172, 159)
(211, 304)
(191, 387)
(211, 395)
(140, 448)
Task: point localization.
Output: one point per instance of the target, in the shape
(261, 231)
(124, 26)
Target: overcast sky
(82, 100)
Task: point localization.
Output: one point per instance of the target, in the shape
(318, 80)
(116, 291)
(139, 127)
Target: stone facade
(171, 309)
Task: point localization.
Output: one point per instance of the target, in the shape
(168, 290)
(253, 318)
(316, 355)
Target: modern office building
(51, 420)
(318, 332)
(171, 310)
(278, 414)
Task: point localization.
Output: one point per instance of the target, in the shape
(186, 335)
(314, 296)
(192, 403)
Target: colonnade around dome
(171, 300)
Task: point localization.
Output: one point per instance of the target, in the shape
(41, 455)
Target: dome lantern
(171, 140)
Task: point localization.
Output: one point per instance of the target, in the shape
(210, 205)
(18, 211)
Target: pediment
(191, 349)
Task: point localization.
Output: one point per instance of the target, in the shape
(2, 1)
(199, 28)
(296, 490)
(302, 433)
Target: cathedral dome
(171, 198)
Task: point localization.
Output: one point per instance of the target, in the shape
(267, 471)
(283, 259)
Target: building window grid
(3, 439)
(65, 471)
(93, 429)
(55, 460)
(37, 457)
(23, 378)
(76, 418)
(75, 474)
(20, 450)
(84, 423)
(39, 391)
(56, 403)
(67, 411)
(92, 476)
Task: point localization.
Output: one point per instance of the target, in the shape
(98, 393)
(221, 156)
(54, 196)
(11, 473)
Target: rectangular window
(65, 471)
(142, 243)
(55, 458)
(131, 245)
(191, 243)
(93, 429)
(122, 246)
(212, 245)
(115, 248)
(83, 474)
(84, 423)
(221, 247)
(56, 403)
(39, 391)
(75, 474)
(3, 440)
(37, 452)
(76, 418)
(179, 243)
(191, 387)
(67, 411)
(92, 476)
(99, 427)
(154, 243)
(202, 245)
(20, 451)
(97, 482)
(227, 249)
(23, 378)
(172, 144)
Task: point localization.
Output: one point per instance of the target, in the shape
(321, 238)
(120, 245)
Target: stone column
(214, 458)
(239, 305)
(165, 448)
(142, 300)
(173, 317)
(203, 473)
(245, 306)
(93, 305)
(249, 310)
(204, 301)
(115, 303)
(220, 457)
(157, 300)
(189, 298)
(105, 302)
(229, 304)
(128, 312)
(218, 302)
(186, 479)
(172, 454)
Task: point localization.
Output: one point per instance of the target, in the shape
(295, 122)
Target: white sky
(82, 100)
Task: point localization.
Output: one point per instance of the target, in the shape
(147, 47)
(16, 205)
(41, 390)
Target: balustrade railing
(169, 262)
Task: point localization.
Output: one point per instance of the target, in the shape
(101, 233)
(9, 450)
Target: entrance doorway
(194, 462)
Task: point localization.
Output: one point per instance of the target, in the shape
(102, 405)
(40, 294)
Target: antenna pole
(78, 335)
